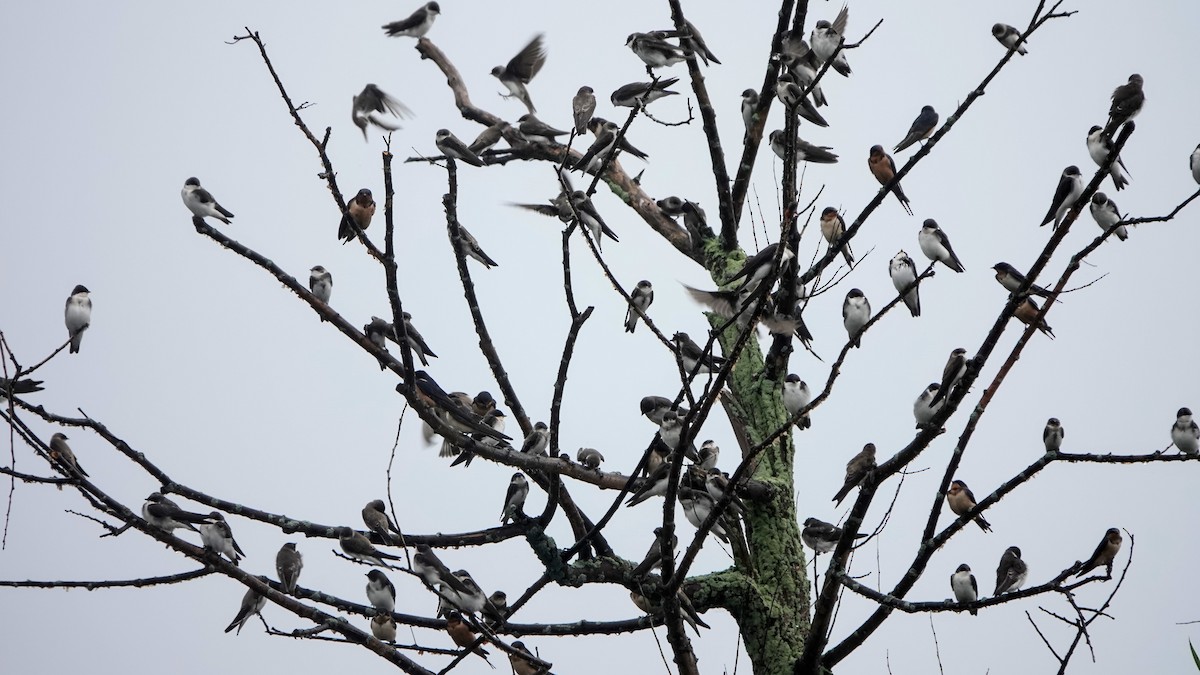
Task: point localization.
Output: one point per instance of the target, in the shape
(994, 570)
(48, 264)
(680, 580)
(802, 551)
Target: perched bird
(494, 420)
(62, 454)
(760, 265)
(1011, 279)
(429, 567)
(709, 454)
(670, 432)
(496, 610)
(1185, 433)
(589, 457)
(654, 51)
(320, 282)
(1053, 435)
(637, 94)
(884, 169)
(473, 599)
(924, 408)
(1070, 186)
(796, 395)
(857, 469)
(457, 413)
(521, 69)
(537, 440)
(415, 340)
(716, 484)
(462, 634)
(1106, 214)
(856, 312)
(826, 38)
(201, 203)
(697, 506)
(962, 582)
(600, 149)
(1099, 148)
(956, 367)
(380, 591)
(654, 407)
(936, 245)
(377, 333)
(791, 95)
(822, 537)
(252, 603)
(685, 604)
(1104, 554)
(653, 558)
(921, 128)
(1011, 39)
(20, 386)
(288, 563)
(453, 148)
(219, 538)
(655, 484)
(692, 355)
(693, 42)
(417, 24)
(583, 106)
(78, 315)
(1127, 102)
(597, 125)
(375, 517)
(523, 662)
(961, 500)
(803, 68)
(470, 246)
(904, 272)
(833, 228)
(641, 298)
(1012, 572)
(1027, 312)
(166, 514)
(490, 136)
(367, 106)
(514, 499)
(590, 217)
(1194, 164)
(383, 627)
(359, 211)
(805, 151)
(750, 105)
(358, 547)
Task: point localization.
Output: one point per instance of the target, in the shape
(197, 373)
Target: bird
(367, 106)
(383, 627)
(956, 367)
(453, 148)
(1127, 102)
(201, 203)
(78, 315)
(1104, 554)
(597, 125)
(495, 421)
(1099, 148)
(822, 537)
(589, 457)
(685, 604)
(514, 499)
(288, 563)
(1012, 571)
(537, 440)
(805, 151)
(415, 341)
(833, 228)
(962, 582)
(1053, 434)
(961, 500)
(791, 95)
(1194, 164)
(924, 408)
(457, 414)
(378, 332)
(20, 386)
(750, 105)
(380, 591)
(358, 547)
(1027, 312)
(654, 51)
(692, 356)
(491, 135)
(217, 537)
(655, 407)
(1011, 279)
(641, 298)
(320, 282)
(359, 211)
(1185, 434)
(252, 603)
(670, 432)
(1106, 214)
(417, 24)
(521, 69)
(884, 169)
(936, 245)
(826, 38)
(463, 635)
(796, 395)
(694, 42)
(904, 272)
(716, 484)
(697, 506)
(590, 217)
(856, 312)
(654, 485)
(375, 517)
(1070, 186)
(600, 149)
(653, 557)
(496, 610)
(859, 466)
(583, 106)
(709, 453)
(165, 514)
(470, 246)
(429, 567)
(1011, 39)
(523, 661)
(758, 266)
(640, 94)
(921, 128)
(62, 454)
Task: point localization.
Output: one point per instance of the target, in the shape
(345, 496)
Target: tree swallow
(201, 203)
(1127, 102)
(921, 128)
(758, 266)
(1105, 552)
(375, 517)
(380, 591)
(590, 217)
(252, 603)
(417, 24)
(654, 485)
(936, 245)
(1100, 147)
(962, 582)
(833, 228)
(383, 627)
(694, 42)
(884, 170)
(583, 106)
(597, 125)
(655, 407)
(1185, 434)
(654, 51)
(856, 470)
(642, 297)
(288, 563)
(642, 94)
(166, 514)
(320, 282)
(653, 558)
(1011, 39)
(691, 354)
(218, 537)
(1053, 434)
(1194, 164)
(538, 131)
(604, 145)
(471, 247)
(457, 414)
(822, 537)
(805, 151)
(370, 103)
(429, 567)
(521, 69)
(961, 500)
(358, 547)
(415, 340)
(1070, 186)
(1011, 280)
(453, 148)
(791, 95)
(709, 454)
(1012, 572)
(78, 315)
(496, 610)
(716, 484)
(1027, 311)
(796, 395)
(378, 332)
(904, 272)
(856, 312)
(1106, 214)
(360, 210)
(62, 454)
(825, 39)
(697, 506)
(924, 408)
(749, 105)
(670, 432)
(514, 500)
(589, 457)
(956, 367)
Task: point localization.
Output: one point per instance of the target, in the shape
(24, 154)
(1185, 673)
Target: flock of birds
(702, 484)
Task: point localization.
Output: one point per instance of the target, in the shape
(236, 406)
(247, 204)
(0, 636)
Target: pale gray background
(230, 385)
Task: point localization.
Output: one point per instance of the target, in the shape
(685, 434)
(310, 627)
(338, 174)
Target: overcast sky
(234, 387)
